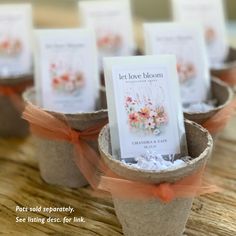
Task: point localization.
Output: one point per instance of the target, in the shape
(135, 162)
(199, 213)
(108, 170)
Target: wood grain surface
(21, 185)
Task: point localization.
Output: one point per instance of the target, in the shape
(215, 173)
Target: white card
(210, 13)
(66, 70)
(112, 22)
(15, 40)
(144, 106)
(186, 42)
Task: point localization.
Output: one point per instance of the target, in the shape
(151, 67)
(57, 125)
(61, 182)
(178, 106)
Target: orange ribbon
(13, 92)
(219, 121)
(99, 176)
(228, 75)
(8, 90)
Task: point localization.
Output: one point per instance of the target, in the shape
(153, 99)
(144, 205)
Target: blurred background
(63, 13)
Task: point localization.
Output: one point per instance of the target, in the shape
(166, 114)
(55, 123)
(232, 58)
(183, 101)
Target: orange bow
(99, 176)
(14, 92)
(219, 121)
(228, 75)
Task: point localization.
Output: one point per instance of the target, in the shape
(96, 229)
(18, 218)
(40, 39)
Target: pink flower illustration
(186, 71)
(153, 114)
(149, 124)
(144, 113)
(144, 116)
(133, 118)
(109, 41)
(210, 35)
(66, 81)
(129, 99)
(65, 77)
(10, 46)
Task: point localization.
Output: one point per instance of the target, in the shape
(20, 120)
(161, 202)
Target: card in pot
(186, 42)
(145, 113)
(15, 40)
(66, 70)
(211, 15)
(112, 22)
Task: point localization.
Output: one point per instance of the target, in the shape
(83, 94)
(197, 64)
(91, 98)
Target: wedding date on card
(144, 106)
(15, 40)
(210, 13)
(186, 42)
(112, 22)
(66, 70)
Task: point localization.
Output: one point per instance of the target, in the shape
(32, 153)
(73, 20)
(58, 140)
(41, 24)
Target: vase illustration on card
(10, 46)
(144, 116)
(109, 42)
(65, 80)
(186, 71)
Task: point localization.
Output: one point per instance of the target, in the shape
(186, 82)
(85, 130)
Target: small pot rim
(102, 112)
(230, 97)
(16, 79)
(174, 170)
(226, 65)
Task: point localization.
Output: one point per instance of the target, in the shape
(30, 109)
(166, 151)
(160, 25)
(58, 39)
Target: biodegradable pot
(153, 217)
(56, 158)
(223, 95)
(11, 123)
(227, 72)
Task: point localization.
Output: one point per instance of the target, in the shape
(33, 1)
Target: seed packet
(186, 42)
(66, 70)
(15, 40)
(210, 14)
(144, 104)
(112, 22)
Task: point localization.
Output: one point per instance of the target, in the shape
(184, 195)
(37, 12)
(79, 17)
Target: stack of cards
(144, 106)
(210, 13)
(112, 22)
(15, 40)
(186, 42)
(66, 70)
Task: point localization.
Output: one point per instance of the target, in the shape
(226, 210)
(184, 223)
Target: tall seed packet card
(15, 40)
(186, 42)
(210, 14)
(112, 22)
(144, 105)
(66, 70)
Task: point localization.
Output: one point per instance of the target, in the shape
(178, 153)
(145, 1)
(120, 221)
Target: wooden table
(21, 185)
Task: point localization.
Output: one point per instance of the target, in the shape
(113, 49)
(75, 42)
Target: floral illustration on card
(66, 80)
(10, 46)
(210, 35)
(109, 42)
(186, 71)
(144, 116)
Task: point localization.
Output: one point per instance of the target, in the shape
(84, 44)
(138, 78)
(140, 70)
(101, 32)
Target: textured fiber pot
(11, 123)
(227, 72)
(223, 95)
(56, 159)
(153, 217)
